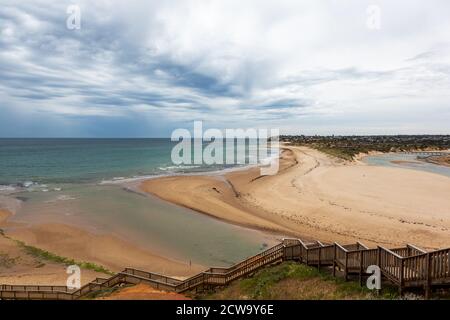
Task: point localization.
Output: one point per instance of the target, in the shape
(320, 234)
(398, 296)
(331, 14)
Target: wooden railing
(407, 266)
(439, 266)
(391, 265)
(7, 287)
(408, 251)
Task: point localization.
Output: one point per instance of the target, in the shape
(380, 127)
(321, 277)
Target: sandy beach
(103, 249)
(4, 214)
(19, 267)
(316, 196)
(313, 196)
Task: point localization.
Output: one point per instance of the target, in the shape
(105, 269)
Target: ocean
(87, 160)
(81, 182)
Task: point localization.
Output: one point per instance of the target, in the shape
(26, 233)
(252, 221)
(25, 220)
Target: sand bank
(102, 249)
(314, 196)
(17, 266)
(439, 160)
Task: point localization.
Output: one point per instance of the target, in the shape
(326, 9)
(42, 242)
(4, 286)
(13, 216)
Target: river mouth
(150, 223)
(406, 161)
(83, 183)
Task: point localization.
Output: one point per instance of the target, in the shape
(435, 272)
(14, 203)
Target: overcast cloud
(143, 68)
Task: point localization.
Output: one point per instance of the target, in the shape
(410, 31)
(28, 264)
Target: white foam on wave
(27, 184)
(178, 170)
(7, 188)
(179, 167)
(131, 179)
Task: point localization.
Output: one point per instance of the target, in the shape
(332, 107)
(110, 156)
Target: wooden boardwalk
(406, 267)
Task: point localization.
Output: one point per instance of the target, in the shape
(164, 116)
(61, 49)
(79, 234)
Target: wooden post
(334, 261)
(360, 268)
(428, 274)
(379, 257)
(318, 263)
(379, 263)
(400, 289)
(345, 267)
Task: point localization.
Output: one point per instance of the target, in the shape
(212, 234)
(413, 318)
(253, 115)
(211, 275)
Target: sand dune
(315, 196)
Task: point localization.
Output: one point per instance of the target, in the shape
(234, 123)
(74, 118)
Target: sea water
(78, 181)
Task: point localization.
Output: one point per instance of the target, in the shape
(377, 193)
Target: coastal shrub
(291, 280)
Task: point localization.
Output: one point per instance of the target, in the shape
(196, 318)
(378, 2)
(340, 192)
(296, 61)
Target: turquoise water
(87, 160)
(63, 180)
(413, 163)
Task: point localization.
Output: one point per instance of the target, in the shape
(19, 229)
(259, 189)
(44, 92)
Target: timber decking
(406, 267)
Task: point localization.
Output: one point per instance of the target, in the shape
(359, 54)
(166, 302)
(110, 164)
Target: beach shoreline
(313, 196)
(316, 197)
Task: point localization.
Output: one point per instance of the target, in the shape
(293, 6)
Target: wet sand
(4, 214)
(404, 162)
(315, 196)
(19, 267)
(103, 249)
(440, 160)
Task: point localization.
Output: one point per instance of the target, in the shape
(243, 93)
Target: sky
(144, 68)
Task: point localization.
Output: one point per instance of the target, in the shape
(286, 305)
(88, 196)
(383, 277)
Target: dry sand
(315, 196)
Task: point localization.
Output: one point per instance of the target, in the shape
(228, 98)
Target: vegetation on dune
(6, 261)
(294, 281)
(346, 147)
(338, 153)
(49, 256)
(101, 293)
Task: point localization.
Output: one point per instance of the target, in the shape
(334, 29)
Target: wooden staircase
(406, 267)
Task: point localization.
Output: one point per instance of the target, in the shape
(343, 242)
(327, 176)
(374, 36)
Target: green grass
(339, 153)
(290, 280)
(100, 293)
(49, 256)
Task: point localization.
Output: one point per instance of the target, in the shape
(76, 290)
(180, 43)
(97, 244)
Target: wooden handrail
(416, 248)
(340, 247)
(360, 244)
(411, 268)
(391, 252)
